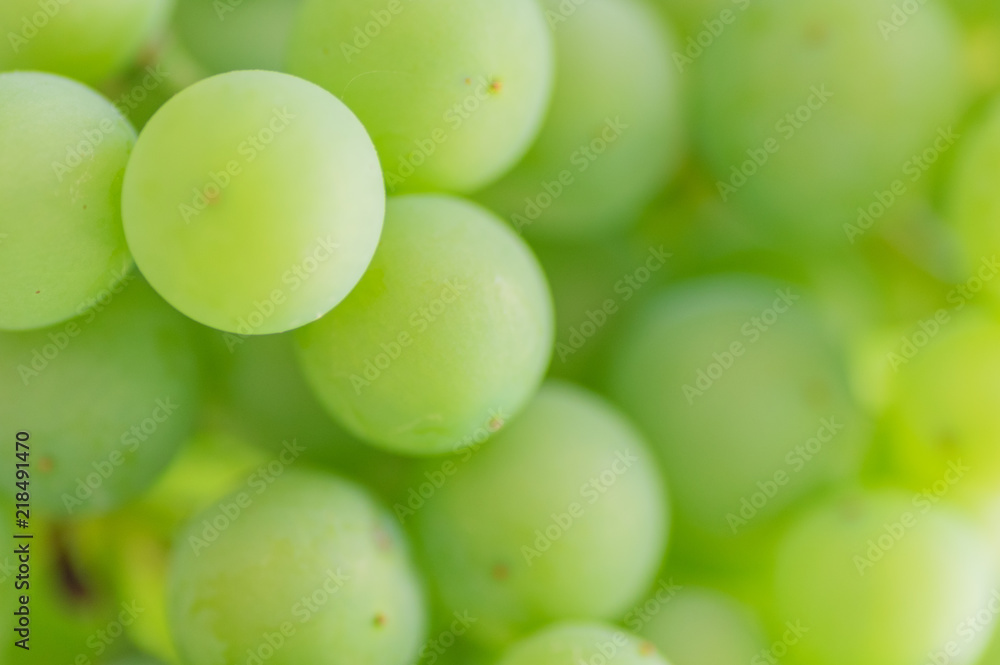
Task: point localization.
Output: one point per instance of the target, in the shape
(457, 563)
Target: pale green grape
(61, 242)
(563, 515)
(612, 134)
(942, 420)
(310, 570)
(738, 387)
(448, 333)
(700, 626)
(87, 40)
(266, 213)
(808, 111)
(223, 36)
(106, 399)
(580, 643)
(452, 91)
(875, 578)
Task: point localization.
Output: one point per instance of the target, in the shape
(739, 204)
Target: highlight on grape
(500, 332)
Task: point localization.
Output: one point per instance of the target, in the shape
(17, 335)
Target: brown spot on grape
(45, 464)
(379, 620)
(816, 34)
(501, 572)
(382, 540)
(496, 86)
(646, 649)
(468, 81)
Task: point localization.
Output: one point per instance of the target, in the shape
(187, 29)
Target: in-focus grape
(266, 214)
(449, 331)
(452, 91)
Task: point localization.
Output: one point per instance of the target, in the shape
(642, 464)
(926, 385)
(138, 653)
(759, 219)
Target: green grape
(562, 516)
(450, 330)
(72, 616)
(136, 542)
(738, 387)
(106, 399)
(306, 570)
(942, 423)
(87, 40)
(451, 117)
(579, 643)
(61, 239)
(875, 578)
(274, 406)
(267, 213)
(613, 133)
(701, 626)
(813, 113)
(225, 36)
(974, 203)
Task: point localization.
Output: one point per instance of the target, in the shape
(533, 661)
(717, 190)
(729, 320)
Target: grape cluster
(500, 332)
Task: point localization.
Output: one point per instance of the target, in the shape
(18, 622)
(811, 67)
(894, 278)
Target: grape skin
(582, 643)
(529, 529)
(266, 215)
(61, 239)
(615, 106)
(108, 397)
(449, 331)
(311, 557)
(449, 118)
(879, 580)
(88, 40)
